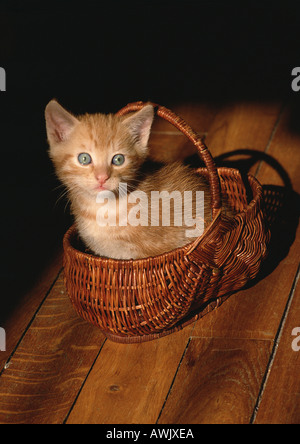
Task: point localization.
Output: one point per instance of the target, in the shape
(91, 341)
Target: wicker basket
(141, 300)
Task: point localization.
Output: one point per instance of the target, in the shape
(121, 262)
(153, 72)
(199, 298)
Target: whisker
(62, 195)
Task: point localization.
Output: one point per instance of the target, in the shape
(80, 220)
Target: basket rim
(186, 249)
(72, 231)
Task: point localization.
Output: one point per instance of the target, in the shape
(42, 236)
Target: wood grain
(217, 383)
(280, 399)
(42, 379)
(242, 125)
(129, 383)
(29, 304)
(280, 403)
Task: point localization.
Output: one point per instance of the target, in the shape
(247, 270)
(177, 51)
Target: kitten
(113, 189)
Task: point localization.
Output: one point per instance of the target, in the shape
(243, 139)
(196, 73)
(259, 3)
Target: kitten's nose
(101, 178)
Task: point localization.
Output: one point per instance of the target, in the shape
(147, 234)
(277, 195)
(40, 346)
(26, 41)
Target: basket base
(215, 303)
(145, 338)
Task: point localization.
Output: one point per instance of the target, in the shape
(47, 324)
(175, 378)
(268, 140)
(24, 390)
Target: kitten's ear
(139, 124)
(59, 122)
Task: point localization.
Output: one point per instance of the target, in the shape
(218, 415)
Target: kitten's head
(96, 152)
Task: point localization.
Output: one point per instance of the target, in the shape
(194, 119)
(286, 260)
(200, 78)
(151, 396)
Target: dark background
(98, 56)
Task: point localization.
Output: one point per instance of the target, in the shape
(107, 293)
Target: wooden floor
(235, 365)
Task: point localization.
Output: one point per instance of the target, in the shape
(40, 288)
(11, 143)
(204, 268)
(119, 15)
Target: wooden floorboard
(235, 365)
(244, 125)
(218, 382)
(279, 402)
(43, 376)
(129, 383)
(20, 319)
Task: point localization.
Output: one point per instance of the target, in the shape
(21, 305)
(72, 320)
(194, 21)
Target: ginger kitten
(124, 208)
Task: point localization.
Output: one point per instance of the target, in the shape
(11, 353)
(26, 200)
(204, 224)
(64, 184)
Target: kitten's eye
(84, 159)
(118, 159)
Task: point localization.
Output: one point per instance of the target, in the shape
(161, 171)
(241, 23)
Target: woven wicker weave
(141, 300)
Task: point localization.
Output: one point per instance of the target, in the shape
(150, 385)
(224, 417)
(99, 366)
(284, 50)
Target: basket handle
(203, 151)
